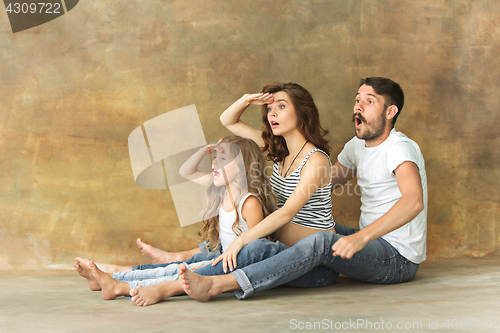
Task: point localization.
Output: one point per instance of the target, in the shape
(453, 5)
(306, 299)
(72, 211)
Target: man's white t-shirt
(379, 189)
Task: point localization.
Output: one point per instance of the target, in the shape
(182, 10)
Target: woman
(293, 139)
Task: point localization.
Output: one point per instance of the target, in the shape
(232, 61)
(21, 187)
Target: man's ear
(391, 112)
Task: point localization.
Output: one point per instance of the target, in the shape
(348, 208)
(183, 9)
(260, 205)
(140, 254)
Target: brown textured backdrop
(73, 89)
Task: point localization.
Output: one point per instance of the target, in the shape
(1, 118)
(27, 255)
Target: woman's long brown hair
(308, 122)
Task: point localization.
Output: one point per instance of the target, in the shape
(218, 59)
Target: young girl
(238, 197)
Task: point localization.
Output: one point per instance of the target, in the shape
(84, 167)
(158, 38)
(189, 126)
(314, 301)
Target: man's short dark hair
(392, 92)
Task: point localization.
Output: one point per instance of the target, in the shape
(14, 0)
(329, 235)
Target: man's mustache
(359, 116)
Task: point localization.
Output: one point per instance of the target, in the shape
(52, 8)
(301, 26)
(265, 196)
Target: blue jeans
(254, 252)
(301, 265)
(148, 277)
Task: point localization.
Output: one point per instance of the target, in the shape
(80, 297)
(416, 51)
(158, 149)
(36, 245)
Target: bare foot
(111, 288)
(149, 295)
(156, 256)
(83, 262)
(144, 296)
(108, 268)
(197, 286)
(83, 269)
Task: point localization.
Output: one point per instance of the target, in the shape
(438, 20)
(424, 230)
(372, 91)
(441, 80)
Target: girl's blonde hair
(257, 182)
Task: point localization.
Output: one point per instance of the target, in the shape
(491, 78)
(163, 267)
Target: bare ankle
(223, 283)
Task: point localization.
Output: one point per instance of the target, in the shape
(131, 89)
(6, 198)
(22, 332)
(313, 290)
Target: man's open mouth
(358, 120)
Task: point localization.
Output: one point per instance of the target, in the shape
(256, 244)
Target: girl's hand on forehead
(259, 99)
(213, 147)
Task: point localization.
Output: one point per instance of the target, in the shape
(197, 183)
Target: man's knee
(322, 239)
(314, 244)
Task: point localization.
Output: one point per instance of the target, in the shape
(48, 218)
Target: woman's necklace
(283, 165)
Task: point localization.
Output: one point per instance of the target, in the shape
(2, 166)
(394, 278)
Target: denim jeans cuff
(246, 287)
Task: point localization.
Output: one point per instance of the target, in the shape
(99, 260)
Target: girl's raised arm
(189, 169)
(230, 118)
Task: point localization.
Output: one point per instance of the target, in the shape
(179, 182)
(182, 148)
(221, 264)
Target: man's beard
(375, 133)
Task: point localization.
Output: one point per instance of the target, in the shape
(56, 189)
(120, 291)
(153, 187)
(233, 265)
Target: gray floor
(461, 289)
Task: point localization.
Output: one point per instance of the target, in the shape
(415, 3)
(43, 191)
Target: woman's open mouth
(274, 124)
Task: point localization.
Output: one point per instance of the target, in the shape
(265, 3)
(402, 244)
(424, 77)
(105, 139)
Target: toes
(79, 269)
(93, 269)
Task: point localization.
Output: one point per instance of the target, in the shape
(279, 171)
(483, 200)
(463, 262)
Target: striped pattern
(317, 212)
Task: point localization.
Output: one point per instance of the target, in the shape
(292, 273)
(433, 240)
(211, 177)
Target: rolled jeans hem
(245, 285)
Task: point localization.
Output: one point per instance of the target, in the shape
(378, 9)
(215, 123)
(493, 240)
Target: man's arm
(406, 209)
(341, 175)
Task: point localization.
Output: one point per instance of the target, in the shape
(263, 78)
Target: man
(391, 241)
